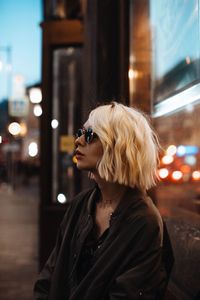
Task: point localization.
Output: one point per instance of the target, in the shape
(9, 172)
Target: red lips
(78, 154)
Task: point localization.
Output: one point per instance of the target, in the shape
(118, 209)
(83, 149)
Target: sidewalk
(18, 241)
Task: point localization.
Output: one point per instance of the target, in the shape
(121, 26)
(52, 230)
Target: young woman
(111, 243)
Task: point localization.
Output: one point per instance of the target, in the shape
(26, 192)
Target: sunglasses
(88, 133)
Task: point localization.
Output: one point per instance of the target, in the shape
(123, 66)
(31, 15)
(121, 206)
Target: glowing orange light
(24, 129)
(163, 173)
(74, 159)
(185, 168)
(196, 175)
(171, 150)
(133, 74)
(167, 159)
(177, 175)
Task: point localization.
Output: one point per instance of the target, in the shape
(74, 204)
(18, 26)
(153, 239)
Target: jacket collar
(130, 198)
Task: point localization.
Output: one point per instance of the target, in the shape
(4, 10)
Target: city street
(18, 241)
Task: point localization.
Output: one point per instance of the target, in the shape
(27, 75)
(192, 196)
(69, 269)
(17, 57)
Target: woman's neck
(111, 192)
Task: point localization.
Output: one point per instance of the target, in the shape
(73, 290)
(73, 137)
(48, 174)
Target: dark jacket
(130, 264)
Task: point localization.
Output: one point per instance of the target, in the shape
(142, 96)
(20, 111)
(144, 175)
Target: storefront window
(175, 54)
(175, 86)
(65, 118)
(175, 81)
(165, 72)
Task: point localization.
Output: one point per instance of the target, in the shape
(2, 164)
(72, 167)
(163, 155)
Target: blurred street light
(37, 110)
(54, 123)
(61, 198)
(177, 175)
(196, 175)
(167, 159)
(33, 149)
(171, 150)
(163, 173)
(35, 95)
(14, 128)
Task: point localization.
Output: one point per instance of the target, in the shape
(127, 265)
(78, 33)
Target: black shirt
(87, 256)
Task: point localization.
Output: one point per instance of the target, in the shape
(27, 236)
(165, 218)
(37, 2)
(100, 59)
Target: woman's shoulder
(140, 202)
(144, 211)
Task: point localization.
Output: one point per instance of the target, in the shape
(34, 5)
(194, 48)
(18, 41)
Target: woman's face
(88, 154)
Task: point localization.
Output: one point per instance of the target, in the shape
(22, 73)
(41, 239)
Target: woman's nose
(80, 140)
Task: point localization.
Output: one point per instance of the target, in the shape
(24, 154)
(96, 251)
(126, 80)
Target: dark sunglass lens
(79, 133)
(88, 135)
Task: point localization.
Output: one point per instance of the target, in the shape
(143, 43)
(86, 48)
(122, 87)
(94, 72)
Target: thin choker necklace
(109, 201)
(105, 202)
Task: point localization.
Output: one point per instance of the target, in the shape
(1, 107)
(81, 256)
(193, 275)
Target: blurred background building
(144, 53)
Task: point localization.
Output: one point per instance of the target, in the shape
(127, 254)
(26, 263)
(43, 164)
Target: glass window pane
(65, 115)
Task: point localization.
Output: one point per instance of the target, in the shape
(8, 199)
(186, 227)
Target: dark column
(106, 52)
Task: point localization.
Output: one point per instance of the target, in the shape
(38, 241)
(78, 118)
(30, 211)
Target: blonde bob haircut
(130, 146)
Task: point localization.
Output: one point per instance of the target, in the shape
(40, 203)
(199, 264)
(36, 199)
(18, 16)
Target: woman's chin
(84, 167)
(81, 166)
